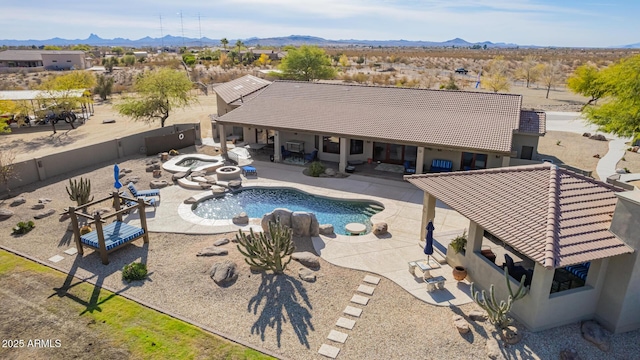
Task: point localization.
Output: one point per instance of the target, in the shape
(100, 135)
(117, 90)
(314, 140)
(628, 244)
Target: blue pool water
(257, 202)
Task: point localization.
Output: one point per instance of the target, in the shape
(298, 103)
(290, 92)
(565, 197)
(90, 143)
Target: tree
(104, 86)
(129, 60)
(109, 63)
(6, 107)
(551, 75)
(343, 60)
(82, 47)
(7, 170)
(239, 45)
(263, 60)
(117, 50)
(158, 93)
(224, 42)
(527, 70)
(497, 76)
(52, 47)
(587, 80)
(619, 112)
(223, 60)
(307, 63)
(61, 92)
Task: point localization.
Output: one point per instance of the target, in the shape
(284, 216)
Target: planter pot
(459, 273)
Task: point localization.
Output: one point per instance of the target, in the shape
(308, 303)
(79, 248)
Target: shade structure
(116, 176)
(428, 246)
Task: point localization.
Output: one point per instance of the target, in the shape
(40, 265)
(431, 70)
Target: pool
(258, 201)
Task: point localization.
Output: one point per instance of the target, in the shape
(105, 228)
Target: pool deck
(386, 256)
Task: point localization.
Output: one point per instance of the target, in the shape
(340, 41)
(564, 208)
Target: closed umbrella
(116, 175)
(428, 246)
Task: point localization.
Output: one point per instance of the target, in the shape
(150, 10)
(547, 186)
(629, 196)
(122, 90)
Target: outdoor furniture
(490, 255)
(355, 228)
(435, 283)
(439, 165)
(284, 152)
(249, 170)
(516, 271)
(408, 168)
(424, 267)
(579, 270)
(350, 169)
(142, 193)
(311, 156)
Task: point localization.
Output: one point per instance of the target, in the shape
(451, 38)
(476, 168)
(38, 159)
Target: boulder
(478, 315)
(149, 168)
(211, 179)
(598, 137)
(44, 214)
(221, 242)
(125, 171)
(241, 219)
(195, 174)
(18, 201)
(151, 162)
(461, 324)
(330, 172)
(510, 335)
(307, 259)
(224, 272)
(37, 206)
(314, 228)
(380, 228)
(190, 200)
(326, 229)
(593, 332)
(217, 190)
(306, 275)
(212, 251)
(586, 134)
(283, 214)
(158, 184)
(493, 349)
(179, 175)
(132, 179)
(300, 223)
(44, 201)
(569, 354)
(64, 216)
(621, 171)
(199, 179)
(5, 214)
(234, 184)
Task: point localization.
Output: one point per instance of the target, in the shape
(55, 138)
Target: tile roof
(239, 88)
(454, 119)
(21, 55)
(551, 215)
(533, 122)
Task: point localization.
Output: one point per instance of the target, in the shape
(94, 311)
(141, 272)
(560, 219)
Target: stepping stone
(71, 251)
(337, 336)
(329, 351)
(346, 323)
(359, 299)
(353, 311)
(366, 289)
(371, 279)
(56, 258)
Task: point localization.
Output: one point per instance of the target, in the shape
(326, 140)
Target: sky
(574, 23)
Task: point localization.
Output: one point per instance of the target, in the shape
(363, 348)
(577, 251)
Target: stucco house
(354, 123)
(575, 237)
(43, 59)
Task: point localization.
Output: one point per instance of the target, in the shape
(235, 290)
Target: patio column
(277, 154)
(343, 155)
(420, 160)
(223, 139)
(506, 160)
(474, 239)
(428, 212)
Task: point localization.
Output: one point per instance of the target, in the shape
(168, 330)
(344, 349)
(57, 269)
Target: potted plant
(459, 243)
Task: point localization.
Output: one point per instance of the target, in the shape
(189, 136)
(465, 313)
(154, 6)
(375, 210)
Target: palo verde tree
(67, 92)
(619, 110)
(587, 80)
(307, 63)
(6, 107)
(157, 93)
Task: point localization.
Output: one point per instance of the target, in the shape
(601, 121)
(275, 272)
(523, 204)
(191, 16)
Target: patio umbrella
(428, 246)
(116, 175)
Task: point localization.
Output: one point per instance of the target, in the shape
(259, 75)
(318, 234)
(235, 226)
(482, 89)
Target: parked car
(461, 71)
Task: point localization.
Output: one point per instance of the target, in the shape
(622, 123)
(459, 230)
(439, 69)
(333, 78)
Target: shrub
(459, 243)
(316, 168)
(23, 227)
(267, 252)
(134, 271)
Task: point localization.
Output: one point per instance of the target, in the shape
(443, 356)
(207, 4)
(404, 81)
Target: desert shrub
(459, 243)
(134, 271)
(23, 227)
(316, 168)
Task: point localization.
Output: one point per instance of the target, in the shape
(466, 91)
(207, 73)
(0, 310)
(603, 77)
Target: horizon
(526, 22)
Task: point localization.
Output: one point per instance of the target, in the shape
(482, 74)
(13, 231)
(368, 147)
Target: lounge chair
(284, 152)
(439, 165)
(142, 193)
(311, 156)
(249, 170)
(408, 168)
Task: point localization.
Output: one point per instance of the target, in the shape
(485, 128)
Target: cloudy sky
(578, 23)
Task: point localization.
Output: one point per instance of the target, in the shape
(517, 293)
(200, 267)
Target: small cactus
(80, 191)
(498, 311)
(267, 252)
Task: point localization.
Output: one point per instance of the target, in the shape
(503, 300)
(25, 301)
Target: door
(527, 152)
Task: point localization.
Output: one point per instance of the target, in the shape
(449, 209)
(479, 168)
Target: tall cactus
(498, 311)
(267, 252)
(79, 191)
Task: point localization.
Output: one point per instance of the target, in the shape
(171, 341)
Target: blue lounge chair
(439, 165)
(142, 193)
(408, 168)
(284, 152)
(311, 156)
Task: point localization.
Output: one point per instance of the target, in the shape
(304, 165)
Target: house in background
(574, 237)
(38, 60)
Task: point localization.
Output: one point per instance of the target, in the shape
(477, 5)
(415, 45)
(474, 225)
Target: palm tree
(224, 42)
(239, 45)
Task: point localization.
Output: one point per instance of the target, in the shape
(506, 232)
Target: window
(331, 144)
(473, 161)
(527, 152)
(356, 147)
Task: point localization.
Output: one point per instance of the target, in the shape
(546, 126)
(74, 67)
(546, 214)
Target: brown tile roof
(239, 88)
(551, 215)
(533, 122)
(454, 119)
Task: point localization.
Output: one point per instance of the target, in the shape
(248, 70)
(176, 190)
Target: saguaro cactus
(267, 252)
(498, 311)
(80, 191)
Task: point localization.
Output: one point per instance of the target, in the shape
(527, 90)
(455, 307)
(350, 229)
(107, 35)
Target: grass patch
(143, 332)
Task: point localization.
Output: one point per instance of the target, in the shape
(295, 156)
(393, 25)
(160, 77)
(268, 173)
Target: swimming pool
(258, 201)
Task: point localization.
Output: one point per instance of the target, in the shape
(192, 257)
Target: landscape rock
(586, 134)
(234, 184)
(217, 190)
(307, 275)
(221, 242)
(224, 273)
(151, 162)
(211, 179)
(478, 315)
(314, 227)
(18, 201)
(132, 179)
(380, 228)
(493, 349)
(44, 214)
(212, 251)
(158, 184)
(37, 206)
(593, 332)
(179, 175)
(44, 201)
(195, 174)
(326, 229)
(621, 171)
(597, 156)
(5, 214)
(190, 200)
(598, 137)
(569, 354)
(199, 179)
(149, 168)
(241, 219)
(307, 259)
(64, 216)
(461, 324)
(102, 211)
(125, 171)
(284, 215)
(635, 149)
(300, 223)
(511, 335)
(330, 172)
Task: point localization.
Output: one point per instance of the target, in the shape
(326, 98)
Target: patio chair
(516, 271)
(142, 193)
(249, 170)
(408, 168)
(311, 156)
(284, 152)
(439, 165)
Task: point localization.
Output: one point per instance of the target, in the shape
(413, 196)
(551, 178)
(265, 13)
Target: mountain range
(296, 40)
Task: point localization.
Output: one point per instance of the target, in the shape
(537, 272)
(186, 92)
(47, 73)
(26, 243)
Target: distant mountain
(630, 46)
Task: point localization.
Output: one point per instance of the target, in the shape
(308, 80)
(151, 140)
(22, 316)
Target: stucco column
(223, 139)
(343, 155)
(420, 160)
(277, 154)
(428, 212)
(474, 239)
(506, 160)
